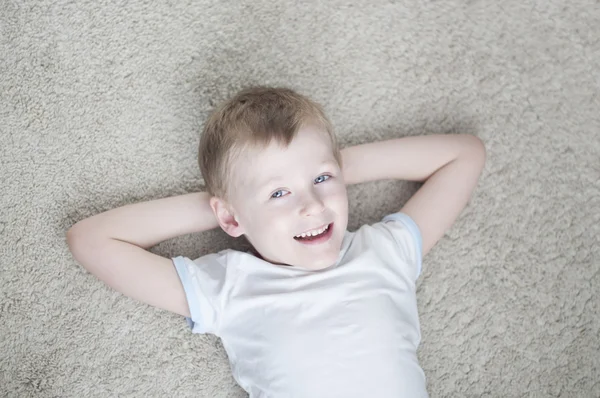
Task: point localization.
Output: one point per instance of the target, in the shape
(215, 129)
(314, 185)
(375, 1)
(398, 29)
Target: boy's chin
(316, 264)
(310, 261)
(317, 267)
(309, 264)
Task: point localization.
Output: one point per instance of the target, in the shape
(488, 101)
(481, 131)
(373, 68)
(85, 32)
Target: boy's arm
(449, 165)
(111, 245)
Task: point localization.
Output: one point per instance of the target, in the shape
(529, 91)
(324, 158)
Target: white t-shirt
(350, 330)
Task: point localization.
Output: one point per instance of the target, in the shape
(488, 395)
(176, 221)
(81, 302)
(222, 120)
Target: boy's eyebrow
(269, 180)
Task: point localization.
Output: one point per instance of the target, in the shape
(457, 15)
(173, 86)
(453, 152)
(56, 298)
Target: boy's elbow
(73, 235)
(80, 243)
(480, 145)
(74, 241)
(475, 149)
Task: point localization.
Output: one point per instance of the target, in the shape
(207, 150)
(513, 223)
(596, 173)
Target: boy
(313, 310)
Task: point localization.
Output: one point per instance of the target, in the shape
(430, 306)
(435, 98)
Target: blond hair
(253, 118)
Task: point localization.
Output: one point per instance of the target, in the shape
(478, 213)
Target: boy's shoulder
(397, 235)
(394, 223)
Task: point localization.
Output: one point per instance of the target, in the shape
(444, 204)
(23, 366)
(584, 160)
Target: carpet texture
(102, 105)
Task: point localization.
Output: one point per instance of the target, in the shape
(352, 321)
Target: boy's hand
(449, 165)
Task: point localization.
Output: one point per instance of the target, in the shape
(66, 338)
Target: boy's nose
(312, 204)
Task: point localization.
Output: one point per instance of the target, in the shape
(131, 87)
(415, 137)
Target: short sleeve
(203, 280)
(407, 235)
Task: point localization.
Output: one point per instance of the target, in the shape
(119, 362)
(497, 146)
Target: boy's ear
(225, 217)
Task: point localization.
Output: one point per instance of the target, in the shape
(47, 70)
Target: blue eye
(277, 194)
(322, 178)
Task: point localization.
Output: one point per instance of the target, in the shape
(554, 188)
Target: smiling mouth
(317, 236)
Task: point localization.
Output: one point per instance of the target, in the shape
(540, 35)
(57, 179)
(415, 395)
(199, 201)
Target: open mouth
(317, 236)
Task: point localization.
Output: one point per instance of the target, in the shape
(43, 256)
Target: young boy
(313, 310)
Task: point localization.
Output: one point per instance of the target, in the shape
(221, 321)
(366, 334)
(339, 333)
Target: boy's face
(280, 193)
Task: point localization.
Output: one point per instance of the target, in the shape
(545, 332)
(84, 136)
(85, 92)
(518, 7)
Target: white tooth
(313, 233)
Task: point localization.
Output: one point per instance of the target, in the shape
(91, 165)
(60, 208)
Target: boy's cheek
(271, 224)
(340, 197)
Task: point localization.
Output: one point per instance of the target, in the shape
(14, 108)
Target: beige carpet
(102, 103)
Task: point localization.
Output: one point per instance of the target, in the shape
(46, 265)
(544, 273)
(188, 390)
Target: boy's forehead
(251, 168)
(258, 167)
(261, 179)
